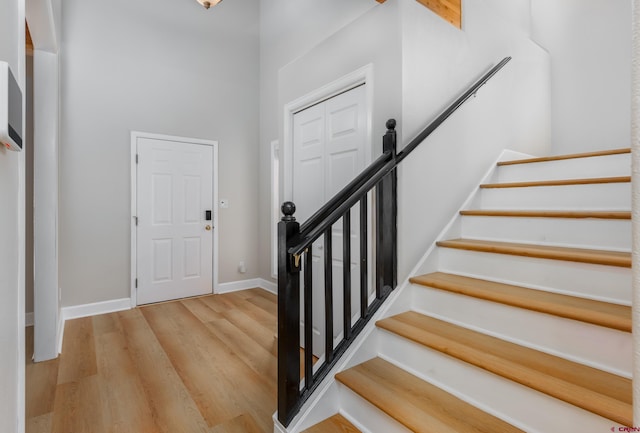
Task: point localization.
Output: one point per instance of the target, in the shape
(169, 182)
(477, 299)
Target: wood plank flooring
(198, 365)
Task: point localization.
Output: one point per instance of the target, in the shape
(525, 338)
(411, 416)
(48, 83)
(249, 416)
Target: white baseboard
(78, 311)
(28, 319)
(235, 286)
(269, 286)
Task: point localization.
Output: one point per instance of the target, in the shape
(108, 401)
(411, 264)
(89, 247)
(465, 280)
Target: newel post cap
(288, 209)
(391, 124)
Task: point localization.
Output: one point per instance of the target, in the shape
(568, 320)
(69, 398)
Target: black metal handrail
(473, 89)
(345, 193)
(295, 243)
(330, 218)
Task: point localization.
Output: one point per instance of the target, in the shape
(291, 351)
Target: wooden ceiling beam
(450, 10)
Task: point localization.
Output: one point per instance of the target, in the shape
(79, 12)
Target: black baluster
(364, 260)
(346, 274)
(328, 296)
(308, 319)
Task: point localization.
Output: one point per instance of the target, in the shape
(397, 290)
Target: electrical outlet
(241, 267)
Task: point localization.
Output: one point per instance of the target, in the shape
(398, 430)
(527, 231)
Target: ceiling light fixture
(208, 3)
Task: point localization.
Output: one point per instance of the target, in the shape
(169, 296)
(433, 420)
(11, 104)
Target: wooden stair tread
(335, 424)
(563, 157)
(599, 257)
(603, 393)
(622, 215)
(571, 307)
(559, 182)
(418, 405)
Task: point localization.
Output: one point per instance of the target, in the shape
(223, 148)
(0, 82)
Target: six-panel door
(174, 239)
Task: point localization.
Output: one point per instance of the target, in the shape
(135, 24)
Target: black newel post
(386, 205)
(288, 317)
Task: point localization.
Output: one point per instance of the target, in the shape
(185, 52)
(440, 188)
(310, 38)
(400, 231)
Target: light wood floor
(203, 364)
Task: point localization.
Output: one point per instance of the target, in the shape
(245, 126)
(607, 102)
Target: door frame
(361, 76)
(134, 211)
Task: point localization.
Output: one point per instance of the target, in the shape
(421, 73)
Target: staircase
(522, 319)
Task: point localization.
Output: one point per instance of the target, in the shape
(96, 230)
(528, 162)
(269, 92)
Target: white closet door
(329, 151)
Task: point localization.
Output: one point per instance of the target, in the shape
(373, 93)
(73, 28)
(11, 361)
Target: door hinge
(136, 158)
(136, 283)
(136, 219)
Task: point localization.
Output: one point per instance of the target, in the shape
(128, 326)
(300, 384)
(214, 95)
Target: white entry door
(329, 150)
(174, 235)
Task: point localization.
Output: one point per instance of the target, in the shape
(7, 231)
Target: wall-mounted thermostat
(10, 109)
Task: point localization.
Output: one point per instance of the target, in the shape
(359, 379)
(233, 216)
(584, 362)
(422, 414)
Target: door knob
(207, 227)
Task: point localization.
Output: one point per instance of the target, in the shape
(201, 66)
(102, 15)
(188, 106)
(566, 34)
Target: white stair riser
(609, 196)
(592, 345)
(519, 405)
(365, 416)
(578, 168)
(575, 232)
(326, 407)
(605, 283)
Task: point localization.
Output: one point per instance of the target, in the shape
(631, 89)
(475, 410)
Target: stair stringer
(326, 401)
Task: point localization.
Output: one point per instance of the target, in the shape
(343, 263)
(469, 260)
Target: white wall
(511, 111)
(517, 12)
(289, 29)
(29, 185)
(373, 39)
(12, 239)
(164, 67)
(589, 42)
